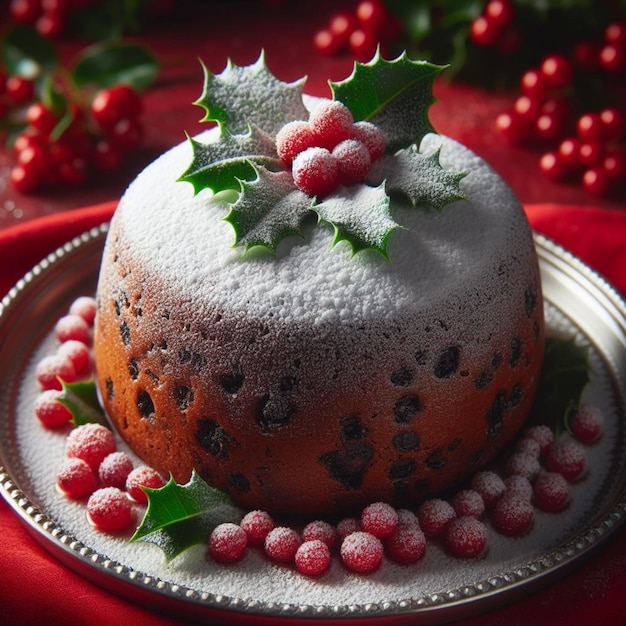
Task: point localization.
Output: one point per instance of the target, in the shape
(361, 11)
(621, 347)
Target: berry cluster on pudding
(375, 334)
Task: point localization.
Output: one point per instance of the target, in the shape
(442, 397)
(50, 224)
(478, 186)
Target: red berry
(142, 476)
(91, 443)
(586, 424)
(257, 525)
(353, 161)
(514, 128)
(373, 138)
(614, 122)
(49, 411)
(326, 42)
(615, 33)
(371, 14)
(550, 126)
(468, 503)
(590, 153)
(51, 368)
(379, 519)
(315, 172)
(331, 122)
(85, 306)
(614, 164)
(23, 180)
(341, 25)
(586, 55)
(489, 485)
(114, 470)
(590, 127)
(499, 12)
(519, 487)
(557, 70)
(293, 138)
(527, 108)
(107, 157)
(361, 552)
(512, 516)
(76, 479)
(320, 530)
(78, 354)
(312, 557)
(597, 182)
(407, 544)
(40, 117)
(74, 172)
(34, 159)
(113, 104)
(553, 166)
(551, 492)
(612, 58)
(281, 544)
(434, 516)
(566, 457)
(484, 32)
(126, 134)
(466, 537)
(526, 445)
(228, 543)
(533, 83)
(569, 149)
(407, 518)
(109, 510)
(72, 327)
(363, 44)
(19, 89)
(347, 526)
(522, 464)
(25, 11)
(50, 25)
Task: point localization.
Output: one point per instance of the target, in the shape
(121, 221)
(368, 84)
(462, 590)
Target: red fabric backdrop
(36, 589)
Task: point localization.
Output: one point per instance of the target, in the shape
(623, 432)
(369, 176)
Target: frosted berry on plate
(114, 470)
(109, 510)
(380, 519)
(313, 557)
(567, 457)
(512, 515)
(434, 516)
(76, 479)
(322, 530)
(53, 367)
(489, 485)
(468, 503)
(466, 537)
(91, 443)
(257, 525)
(551, 492)
(362, 552)
(228, 543)
(49, 411)
(73, 327)
(142, 476)
(282, 543)
(406, 544)
(586, 424)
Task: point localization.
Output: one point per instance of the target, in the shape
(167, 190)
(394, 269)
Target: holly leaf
(181, 516)
(26, 53)
(359, 215)
(419, 177)
(394, 95)
(268, 209)
(81, 398)
(222, 164)
(246, 96)
(565, 374)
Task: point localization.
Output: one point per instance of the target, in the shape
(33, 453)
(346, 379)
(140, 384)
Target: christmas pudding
(376, 331)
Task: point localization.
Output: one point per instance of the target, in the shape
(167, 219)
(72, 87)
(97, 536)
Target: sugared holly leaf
(419, 177)
(81, 399)
(268, 209)
(360, 215)
(394, 95)
(181, 516)
(251, 96)
(221, 164)
(564, 376)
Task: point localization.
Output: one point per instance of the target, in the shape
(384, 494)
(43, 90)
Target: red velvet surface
(35, 588)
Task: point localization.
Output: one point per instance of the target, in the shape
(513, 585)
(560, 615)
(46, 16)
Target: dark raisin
(402, 377)
(447, 362)
(351, 428)
(420, 357)
(454, 444)
(197, 360)
(496, 360)
(348, 466)
(183, 396)
(239, 482)
(406, 441)
(133, 369)
(495, 415)
(406, 408)
(435, 460)
(482, 380)
(516, 396)
(516, 351)
(530, 301)
(145, 404)
(231, 383)
(125, 333)
(476, 457)
(273, 412)
(213, 438)
(110, 390)
(404, 468)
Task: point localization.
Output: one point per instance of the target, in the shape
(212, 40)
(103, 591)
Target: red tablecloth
(36, 589)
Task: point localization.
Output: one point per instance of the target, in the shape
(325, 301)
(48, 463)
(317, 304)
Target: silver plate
(578, 303)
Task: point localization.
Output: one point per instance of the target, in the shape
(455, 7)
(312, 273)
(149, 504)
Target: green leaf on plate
(181, 516)
(81, 399)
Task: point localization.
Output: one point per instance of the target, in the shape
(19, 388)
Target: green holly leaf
(565, 374)
(26, 53)
(181, 516)
(360, 215)
(222, 164)
(269, 208)
(81, 399)
(419, 177)
(394, 95)
(251, 96)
